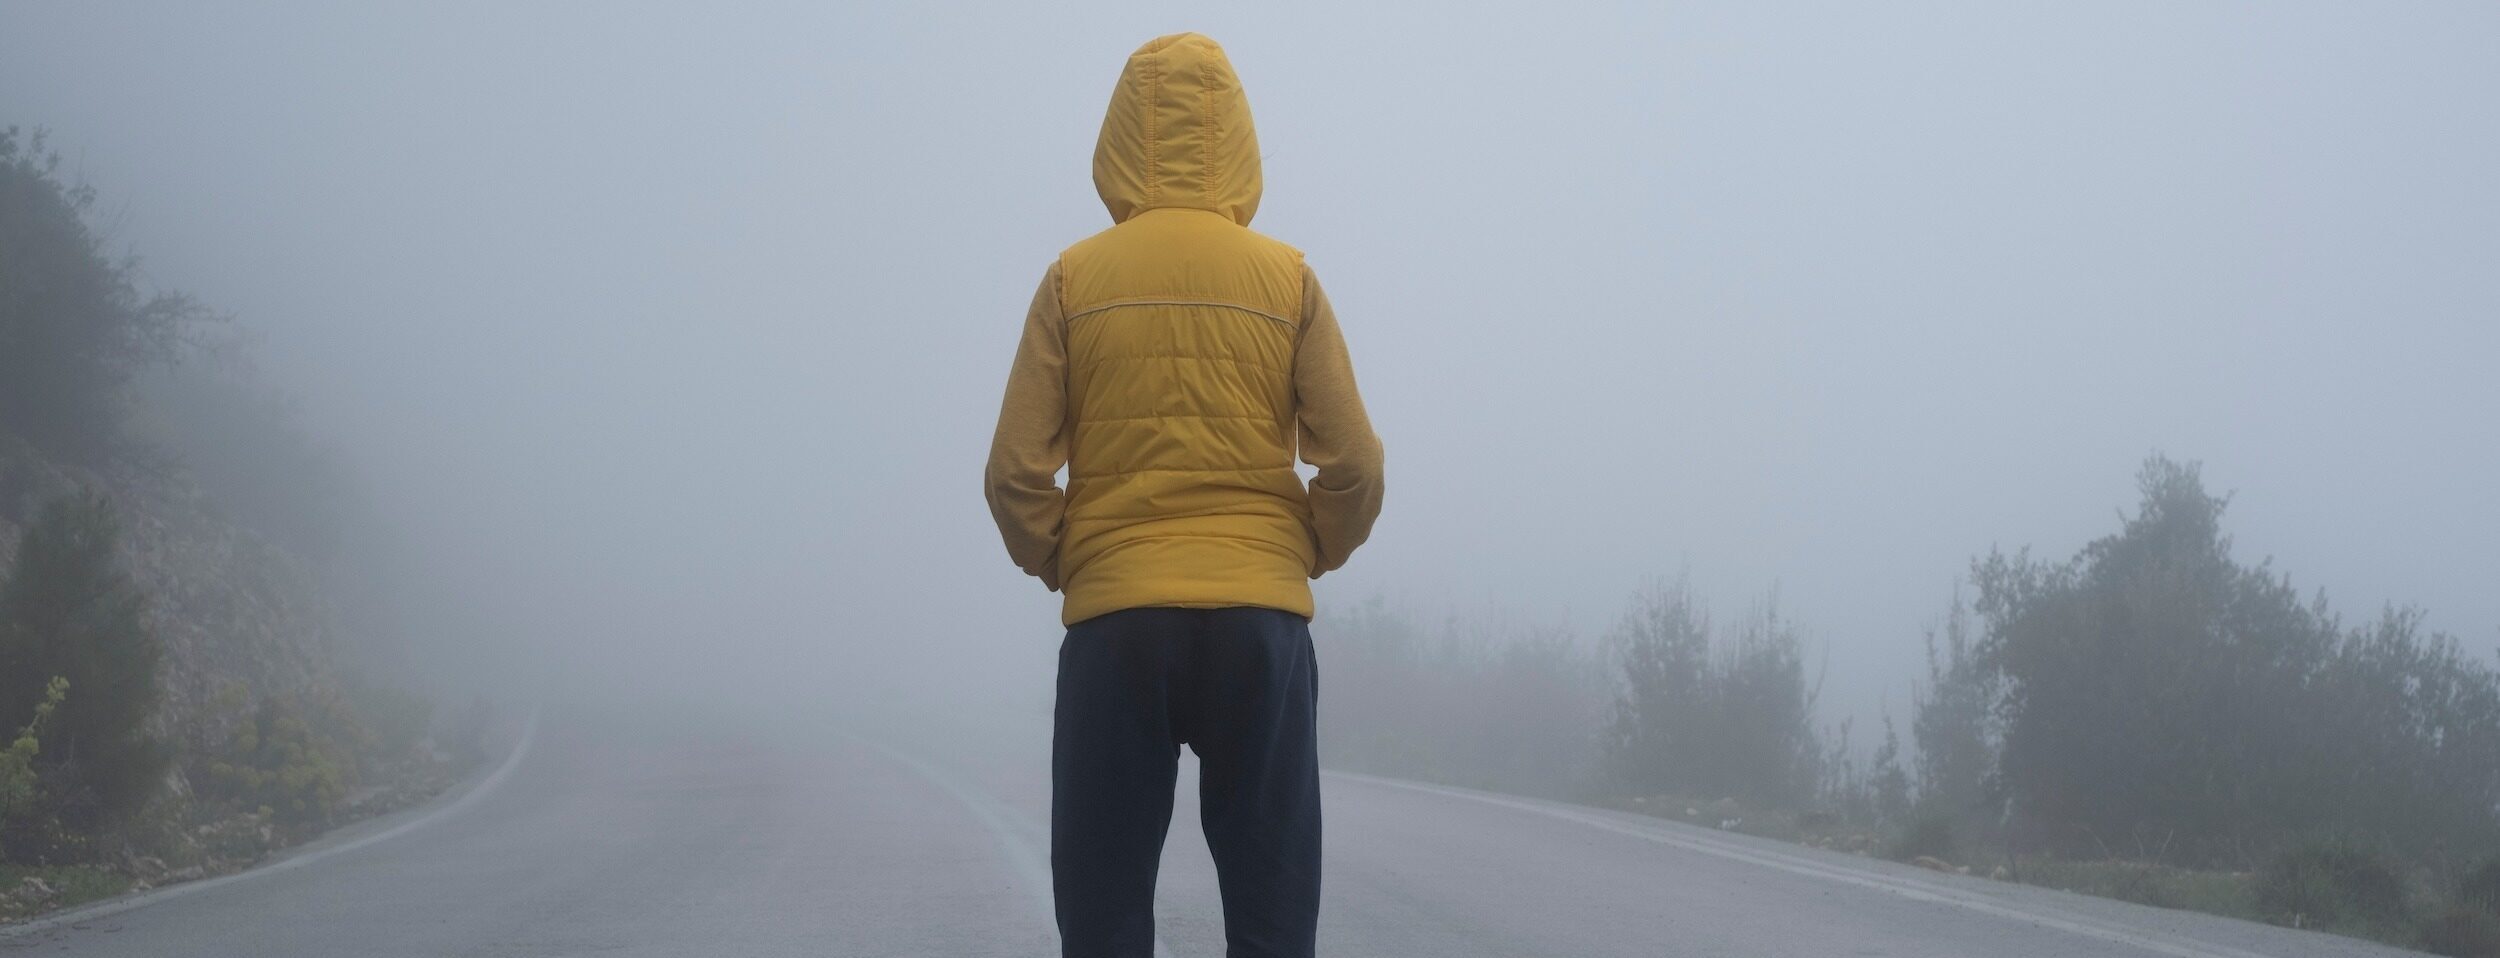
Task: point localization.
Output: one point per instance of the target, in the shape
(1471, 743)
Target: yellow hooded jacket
(1176, 364)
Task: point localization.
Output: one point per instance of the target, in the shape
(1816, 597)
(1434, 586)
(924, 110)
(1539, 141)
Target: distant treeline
(2149, 699)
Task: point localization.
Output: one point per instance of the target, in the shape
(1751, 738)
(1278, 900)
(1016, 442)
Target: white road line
(1032, 867)
(115, 906)
(1799, 865)
(1014, 832)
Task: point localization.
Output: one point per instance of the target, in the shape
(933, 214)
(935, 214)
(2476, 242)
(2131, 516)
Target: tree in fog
(1765, 743)
(1662, 705)
(1954, 721)
(1708, 718)
(1888, 784)
(75, 326)
(2151, 681)
(2162, 700)
(2408, 728)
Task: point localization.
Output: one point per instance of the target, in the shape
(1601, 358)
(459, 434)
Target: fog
(668, 341)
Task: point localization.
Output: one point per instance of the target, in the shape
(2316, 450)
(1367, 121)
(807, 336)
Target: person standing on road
(1175, 364)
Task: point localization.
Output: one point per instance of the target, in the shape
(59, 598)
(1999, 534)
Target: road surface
(676, 836)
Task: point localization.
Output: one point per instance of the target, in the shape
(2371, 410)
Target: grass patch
(1725, 814)
(71, 885)
(2337, 887)
(2232, 894)
(1811, 829)
(2329, 886)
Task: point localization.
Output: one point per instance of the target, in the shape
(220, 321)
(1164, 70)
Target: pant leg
(1113, 757)
(1255, 689)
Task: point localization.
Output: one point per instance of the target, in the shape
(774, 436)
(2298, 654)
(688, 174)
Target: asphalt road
(627, 837)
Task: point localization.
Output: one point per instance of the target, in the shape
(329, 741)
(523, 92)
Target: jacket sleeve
(1336, 434)
(1031, 443)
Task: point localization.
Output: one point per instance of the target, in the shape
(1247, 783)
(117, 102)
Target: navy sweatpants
(1239, 687)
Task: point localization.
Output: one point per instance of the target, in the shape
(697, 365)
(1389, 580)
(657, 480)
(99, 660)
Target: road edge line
(1032, 866)
(1808, 867)
(115, 906)
(1012, 829)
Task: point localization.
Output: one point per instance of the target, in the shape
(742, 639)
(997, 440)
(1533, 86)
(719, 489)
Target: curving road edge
(305, 855)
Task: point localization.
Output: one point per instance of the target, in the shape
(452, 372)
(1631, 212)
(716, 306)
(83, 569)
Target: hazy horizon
(659, 332)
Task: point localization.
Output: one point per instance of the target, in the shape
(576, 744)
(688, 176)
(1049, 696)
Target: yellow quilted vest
(1181, 330)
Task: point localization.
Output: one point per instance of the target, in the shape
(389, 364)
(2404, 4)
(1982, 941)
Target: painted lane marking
(1903, 887)
(1014, 832)
(115, 906)
(1032, 867)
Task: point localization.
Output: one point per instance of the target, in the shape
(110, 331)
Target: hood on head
(1178, 134)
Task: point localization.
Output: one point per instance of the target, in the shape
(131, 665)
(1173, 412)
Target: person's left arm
(1031, 443)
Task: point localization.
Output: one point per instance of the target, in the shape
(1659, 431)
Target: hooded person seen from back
(1176, 365)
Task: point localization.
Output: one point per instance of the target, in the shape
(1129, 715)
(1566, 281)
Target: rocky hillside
(230, 608)
(183, 587)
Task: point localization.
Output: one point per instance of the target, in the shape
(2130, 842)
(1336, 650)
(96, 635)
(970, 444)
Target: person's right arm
(1336, 434)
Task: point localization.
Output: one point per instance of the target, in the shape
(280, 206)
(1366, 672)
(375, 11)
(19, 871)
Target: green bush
(2333, 884)
(276, 765)
(17, 761)
(20, 786)
(72, 885)
(67, 609)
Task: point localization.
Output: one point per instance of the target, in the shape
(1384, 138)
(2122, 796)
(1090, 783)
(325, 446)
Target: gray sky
(670, 331)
